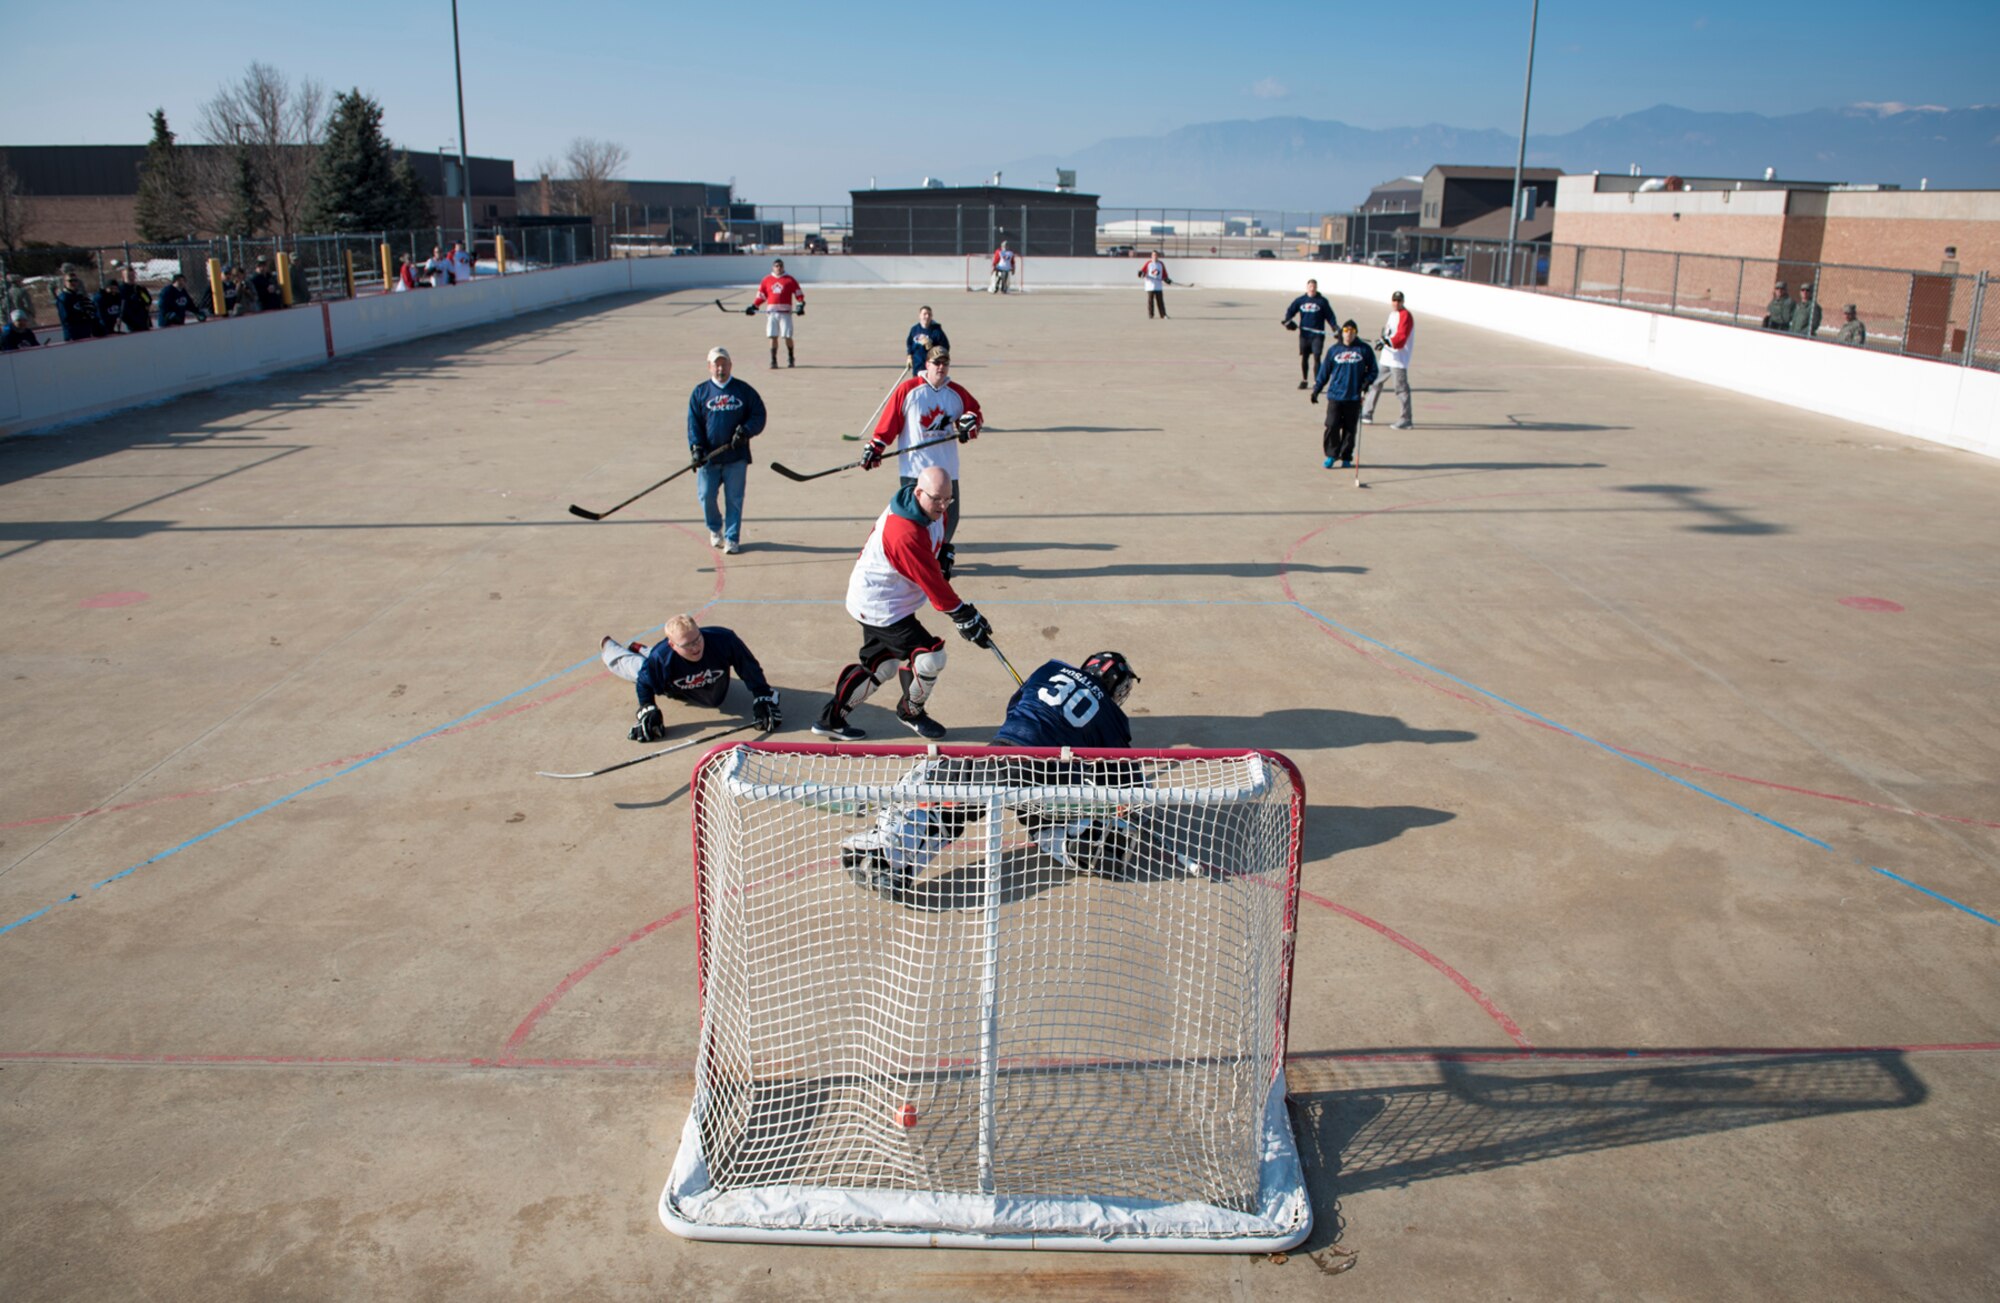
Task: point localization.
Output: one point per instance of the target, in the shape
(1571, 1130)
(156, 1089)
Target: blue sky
(801, 102)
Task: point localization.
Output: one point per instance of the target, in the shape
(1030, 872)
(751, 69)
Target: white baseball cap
(718, 352)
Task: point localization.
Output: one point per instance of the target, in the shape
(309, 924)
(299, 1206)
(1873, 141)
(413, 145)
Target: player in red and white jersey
(922, 408)
(1153, 273)
(896, 573)
(782, 299)
(1003, 269)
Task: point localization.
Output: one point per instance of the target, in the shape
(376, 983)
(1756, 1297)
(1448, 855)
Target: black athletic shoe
(920, 723)
(790, 360)
(1302, 384)
(839, 730)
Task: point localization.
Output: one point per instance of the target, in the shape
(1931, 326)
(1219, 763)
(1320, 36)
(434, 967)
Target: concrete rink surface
(1650, 737)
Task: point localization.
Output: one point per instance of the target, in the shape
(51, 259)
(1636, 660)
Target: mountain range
(1306, 163)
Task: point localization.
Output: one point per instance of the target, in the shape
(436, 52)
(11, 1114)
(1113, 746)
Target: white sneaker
(731, 547)
(714, 539)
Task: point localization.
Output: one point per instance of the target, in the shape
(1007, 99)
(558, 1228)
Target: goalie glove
(648, 726)
(967, 426)
(871, 456)
(769, 717)
(972, 626)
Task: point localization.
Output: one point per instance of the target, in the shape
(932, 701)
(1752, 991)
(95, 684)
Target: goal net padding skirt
(1065, 1028)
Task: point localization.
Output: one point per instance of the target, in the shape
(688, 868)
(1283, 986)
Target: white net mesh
(956, 992)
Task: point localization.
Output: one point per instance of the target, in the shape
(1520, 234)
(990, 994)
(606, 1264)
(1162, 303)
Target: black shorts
(1311, 343)
(896, 642)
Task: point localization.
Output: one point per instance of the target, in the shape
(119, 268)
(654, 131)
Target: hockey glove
(972, 626)
(947, 558)
(1314, 398)
(871, 456)
(1291, 325)
(750, 311)
(738, 441)
(967, 426)
(801, 308)
(649, 726)
(769, 717)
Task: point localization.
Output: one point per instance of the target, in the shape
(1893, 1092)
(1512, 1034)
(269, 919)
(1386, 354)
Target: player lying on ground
(691, 664)
(1058, 705)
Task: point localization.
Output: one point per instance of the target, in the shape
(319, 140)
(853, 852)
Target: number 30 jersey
(1059, 705)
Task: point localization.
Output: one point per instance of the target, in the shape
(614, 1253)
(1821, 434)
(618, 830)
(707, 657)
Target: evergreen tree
(247, 214)
(359, 182)
(165, 209)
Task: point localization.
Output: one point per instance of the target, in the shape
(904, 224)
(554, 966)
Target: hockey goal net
(979, 273)
(993, 997)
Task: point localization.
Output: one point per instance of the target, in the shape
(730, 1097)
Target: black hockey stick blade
(650, 755)
(801, 477)
(719, 307)
(697, 464)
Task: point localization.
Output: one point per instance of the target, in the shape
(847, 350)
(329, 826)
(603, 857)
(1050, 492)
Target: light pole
(465, 172)
(1520, 155)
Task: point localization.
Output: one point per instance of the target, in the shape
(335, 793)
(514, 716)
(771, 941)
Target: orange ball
(906, 1115)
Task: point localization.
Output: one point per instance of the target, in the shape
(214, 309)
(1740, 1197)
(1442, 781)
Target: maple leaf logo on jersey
(934, 418)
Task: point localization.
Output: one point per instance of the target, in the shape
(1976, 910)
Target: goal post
(993, 997)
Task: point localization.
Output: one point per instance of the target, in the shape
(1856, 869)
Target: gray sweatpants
(1400, 376)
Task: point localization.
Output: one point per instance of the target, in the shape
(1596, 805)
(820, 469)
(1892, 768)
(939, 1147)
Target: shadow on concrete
(1545, 427)
(248, 409)
(1484, 466)
(1165, 570)
(1721, 520)
(1076, 429)
(1388, 1118)
(1333, 829)
(1296, 728)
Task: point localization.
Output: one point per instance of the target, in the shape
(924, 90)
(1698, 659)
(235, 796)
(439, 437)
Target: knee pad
(921, 675)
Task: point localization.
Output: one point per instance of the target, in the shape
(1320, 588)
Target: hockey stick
(696, 464)
(720, 308)
(650, 755)
(994, 647)
(852, 438)
(791, 474)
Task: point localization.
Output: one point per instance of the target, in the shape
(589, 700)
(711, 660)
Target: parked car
(1119, 251)
(1265, 253)
(816, 243)
(1452, 268)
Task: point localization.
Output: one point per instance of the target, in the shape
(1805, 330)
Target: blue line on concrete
(1608, 749)
(291, 796)
(1918, 886)
(1605, 747)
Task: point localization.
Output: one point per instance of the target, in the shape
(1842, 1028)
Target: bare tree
(277, 124)
(593, 166)
(13, 208)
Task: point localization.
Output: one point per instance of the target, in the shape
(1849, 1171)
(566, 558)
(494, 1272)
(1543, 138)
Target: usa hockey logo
(699, 679)
(724, 403)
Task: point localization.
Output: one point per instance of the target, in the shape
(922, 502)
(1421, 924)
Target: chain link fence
(1942, 316)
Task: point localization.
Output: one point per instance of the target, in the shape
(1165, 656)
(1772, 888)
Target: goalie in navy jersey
(691, 663)
(1059, 705)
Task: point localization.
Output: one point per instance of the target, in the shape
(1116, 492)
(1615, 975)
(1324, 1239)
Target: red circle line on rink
(526, 1026)
(1370, 654)
(1871, 604)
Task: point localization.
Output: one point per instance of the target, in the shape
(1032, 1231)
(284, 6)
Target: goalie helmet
(1114, 672)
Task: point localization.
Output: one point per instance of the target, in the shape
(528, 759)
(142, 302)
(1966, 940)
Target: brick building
(1792, 222)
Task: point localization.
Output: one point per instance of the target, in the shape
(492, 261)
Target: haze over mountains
(1303, 163)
